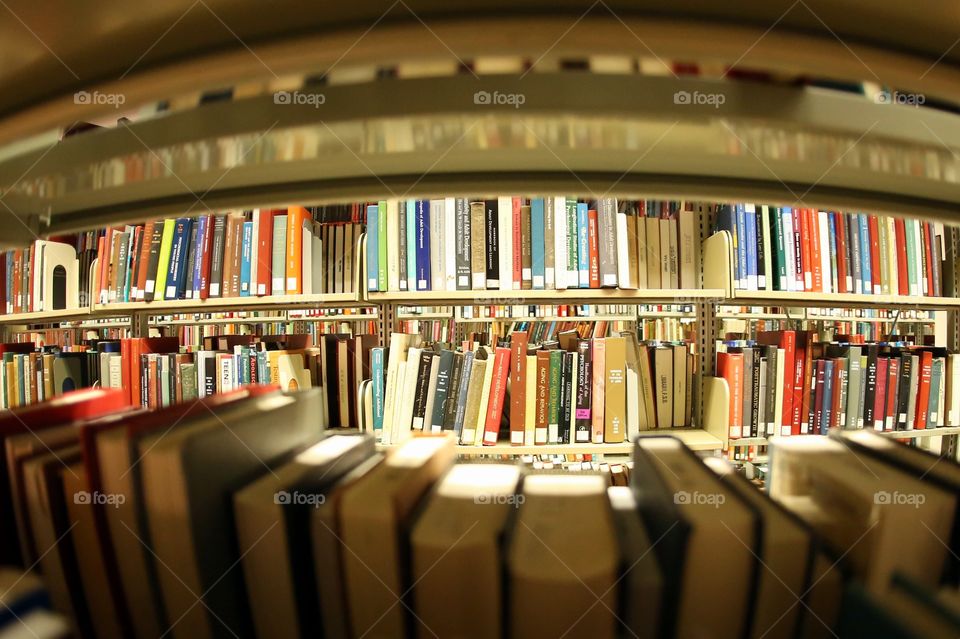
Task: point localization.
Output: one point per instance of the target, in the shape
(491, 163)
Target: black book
(422, 387)
(491, 219)
(155, 239)
(444, 370)
(870, 384)
(903, 391)
(210, 375)
(584, 388)
(450, 403)
(770, 401)
(566, 396)
(756, 429)
(216, 256)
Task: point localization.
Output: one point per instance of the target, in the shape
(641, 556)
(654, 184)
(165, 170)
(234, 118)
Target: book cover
(597, 392)
(523, 247)
(553, 401)
(381, 245)
(294, 249)
(278, 257)
(593, 244)
(373, 248)
(178, 257)
(730, 367)
(572, 241)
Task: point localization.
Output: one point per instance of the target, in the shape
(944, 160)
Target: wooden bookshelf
(46, 317)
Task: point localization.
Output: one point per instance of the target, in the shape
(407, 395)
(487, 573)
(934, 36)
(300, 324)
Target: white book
(450, 244)
(393, 244)
(306, 253)
(484, 399)
(626, 277)
(431, 389)
(787, 223)
(437, 282)
(505, 231)
(404, 419)
(768, 249)
(396, 357)
(254, 244)
(778, 401)
(826, 250)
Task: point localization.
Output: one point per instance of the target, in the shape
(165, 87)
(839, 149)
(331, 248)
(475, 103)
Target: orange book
(730, 367)
(593, 242)
(923, 394)
(102, 260)
(805, 252)
(295, 218)
(518, 386)
(875, 280)
(813, 235)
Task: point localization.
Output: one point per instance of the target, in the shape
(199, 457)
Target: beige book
(484, 398)
(786, 551)
(403, 419)
(653, 253)
(530, 415)
(640, 249)
(721, 537)
(187, 477)
(271, 551)
(474, 392)
(461, 526)
(663, 375)
(680, 390)
(51, 533)
(615, 399)
(478, 256)
(689, 247)
(397, 356)
(563, 547)
(647, 386)
(19, 449)
(373, 513)
(89, 551)
(329, 552)
(673, 255)
(626, 253)
(666, 250)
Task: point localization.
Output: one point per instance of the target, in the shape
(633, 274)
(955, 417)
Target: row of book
(800, 249)
(238, 254)
(567, 391)
(787, 383)
(239, 516)
(45, 276)
(517, 243)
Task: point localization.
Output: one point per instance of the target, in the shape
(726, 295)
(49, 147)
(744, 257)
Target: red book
(518, 386)
(798, 264)
(806, 256)
(841, 283)
(838, 377)
(928, 262)
(264, 251)
(17, 279)
(874, 229)
(31, 276)
(131, 351)
(517, 257)
(923, 394)
(880, 404)
(900, 233)
(730, 367)
(594, 246)
(803, 365)
(893, 379)
(813, 234)
(498, 388)
(817, 426)
(785, 340)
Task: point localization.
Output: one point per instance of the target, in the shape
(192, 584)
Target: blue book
(832, 229)
(422, 229)
(411, 244)
(740, 244)
(373, 248)
(865, 253)
(827, 396)
(203, 227)
(536, 243)
(376, 376)
(583, 246)
(750, 226)
(178, 257)
(246, 258)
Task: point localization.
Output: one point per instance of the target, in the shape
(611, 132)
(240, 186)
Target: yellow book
(163, 263)
(615, 398)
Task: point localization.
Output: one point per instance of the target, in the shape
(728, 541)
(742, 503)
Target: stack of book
(287, 531)
(787, 383)
(29, 374)
(572, 390)
(518, 243)
(254, 253)
(46, 276)
(798, 249)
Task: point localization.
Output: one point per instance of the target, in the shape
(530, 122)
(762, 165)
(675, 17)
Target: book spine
(607, 242)
(463, 246)
(553, 403)
(422, 233)
(246, 258)
(518, 240)
(572, 242)
(491, 224)
(373, 248)
(538, 247)
(584, 386)
(501, 372)
(518, 385)
(583, 245)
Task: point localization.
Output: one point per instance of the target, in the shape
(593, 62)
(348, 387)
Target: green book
(911, 258)
(382, 246)
(166, 244)
(188, 381)
(779, 252)
(573, 267)
(553, 405)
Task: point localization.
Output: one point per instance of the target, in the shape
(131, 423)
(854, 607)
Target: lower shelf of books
(943, 431)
